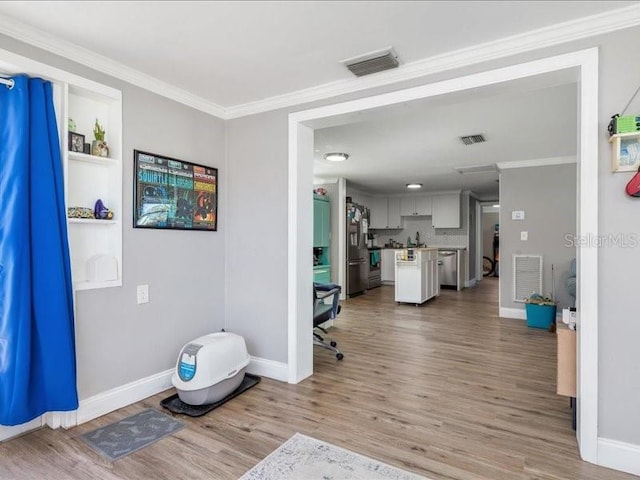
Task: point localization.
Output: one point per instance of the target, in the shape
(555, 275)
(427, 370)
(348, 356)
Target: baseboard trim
(7, 433)
(619, 455)
(269, 368)
(516, 313)
(106, 402)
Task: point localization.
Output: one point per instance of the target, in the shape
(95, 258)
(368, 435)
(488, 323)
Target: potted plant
(99, 146)
(541, 311)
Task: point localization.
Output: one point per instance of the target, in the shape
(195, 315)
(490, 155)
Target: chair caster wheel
(333, 344)
(339, 356)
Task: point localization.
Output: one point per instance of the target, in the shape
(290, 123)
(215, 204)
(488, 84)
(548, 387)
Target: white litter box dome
(208, 361)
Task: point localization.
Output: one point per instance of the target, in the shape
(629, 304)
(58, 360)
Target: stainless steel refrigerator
(357, 252)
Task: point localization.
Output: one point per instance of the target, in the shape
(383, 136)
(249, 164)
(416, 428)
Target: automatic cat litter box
(209, 368)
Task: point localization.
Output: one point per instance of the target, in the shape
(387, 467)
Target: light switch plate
(143, 294)
(517, 215)
(524, 235)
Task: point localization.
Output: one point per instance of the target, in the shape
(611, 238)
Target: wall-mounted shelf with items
(625, 152)
(95, 244)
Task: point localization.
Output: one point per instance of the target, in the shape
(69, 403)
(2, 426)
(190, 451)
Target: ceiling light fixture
(496, 206)
(414, 185)
(336, 157)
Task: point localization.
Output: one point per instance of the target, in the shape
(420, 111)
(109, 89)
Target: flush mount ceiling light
(336, 157)
(414, 185)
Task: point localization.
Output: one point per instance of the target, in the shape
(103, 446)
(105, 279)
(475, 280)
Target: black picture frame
(173, 194)
(76, 142)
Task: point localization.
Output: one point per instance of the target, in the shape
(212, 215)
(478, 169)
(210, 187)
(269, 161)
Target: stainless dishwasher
(448, 268)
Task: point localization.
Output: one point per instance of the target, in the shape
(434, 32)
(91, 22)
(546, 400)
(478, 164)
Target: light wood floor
(447, 390)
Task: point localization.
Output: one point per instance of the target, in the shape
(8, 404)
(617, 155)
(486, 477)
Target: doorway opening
(585, 66)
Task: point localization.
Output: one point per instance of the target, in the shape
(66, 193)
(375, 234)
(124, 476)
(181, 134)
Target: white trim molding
(50, 43)
(585, 62)
(619, 455)
(557, 34)
(268, 368)
(11, 432)
(515, 313)
(505, 47)
(538, 162)
(106, 402)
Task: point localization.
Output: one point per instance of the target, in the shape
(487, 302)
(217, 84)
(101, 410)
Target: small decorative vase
(99, 148)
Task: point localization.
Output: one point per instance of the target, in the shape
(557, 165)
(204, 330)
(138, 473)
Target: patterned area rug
(131, 434)
(305, 458)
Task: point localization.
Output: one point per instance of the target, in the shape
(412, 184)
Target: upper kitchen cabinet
(321, 221)
(415, 206)
(385, 213)
(445, 210)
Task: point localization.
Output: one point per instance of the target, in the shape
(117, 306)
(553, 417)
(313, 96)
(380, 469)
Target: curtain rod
(9, 82)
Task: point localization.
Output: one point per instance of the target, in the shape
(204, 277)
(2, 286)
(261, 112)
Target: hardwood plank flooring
(447, 390)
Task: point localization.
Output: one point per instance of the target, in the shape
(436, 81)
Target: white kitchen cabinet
(446, 210)
(379, 213)
(395, 219)
(415, 206)
(388, 266)
(385, 213)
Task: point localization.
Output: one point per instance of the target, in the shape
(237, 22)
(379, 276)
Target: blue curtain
(37, 348)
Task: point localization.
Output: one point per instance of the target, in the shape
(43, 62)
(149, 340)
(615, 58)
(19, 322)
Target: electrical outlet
(524, 236)
(143, 294)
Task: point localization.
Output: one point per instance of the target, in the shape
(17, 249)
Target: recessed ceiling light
(496, 206)
(414, 185)
(336, 157)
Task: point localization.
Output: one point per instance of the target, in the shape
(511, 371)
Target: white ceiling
(524, 120)
(232, 53)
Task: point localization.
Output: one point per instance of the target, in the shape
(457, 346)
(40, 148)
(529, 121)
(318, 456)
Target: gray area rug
(131, 434)
(305, 458)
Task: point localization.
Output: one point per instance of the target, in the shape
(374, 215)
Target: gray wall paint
(547, 195)
(472, 238)
(618, 355)
(257, 237)
(489, 220)
(259, 174)
(117, 340)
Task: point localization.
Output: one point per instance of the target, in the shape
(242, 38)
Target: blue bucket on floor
(540, 316)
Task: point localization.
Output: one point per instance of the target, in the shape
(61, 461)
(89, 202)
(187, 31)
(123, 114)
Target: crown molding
(516, 44)
(37, 38)
(536, 162)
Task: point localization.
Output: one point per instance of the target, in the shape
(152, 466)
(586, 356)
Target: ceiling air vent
(471, 139)
(372, 62)
(489, 168)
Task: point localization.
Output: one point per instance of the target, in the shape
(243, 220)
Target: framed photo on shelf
(76, 142)
(174, 194)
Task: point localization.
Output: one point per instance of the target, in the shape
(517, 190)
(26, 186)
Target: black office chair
(323, 312)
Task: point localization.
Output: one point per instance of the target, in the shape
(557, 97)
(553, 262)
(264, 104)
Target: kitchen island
(416, 275)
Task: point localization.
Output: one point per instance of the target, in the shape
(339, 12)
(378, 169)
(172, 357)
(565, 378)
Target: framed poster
(174, 194)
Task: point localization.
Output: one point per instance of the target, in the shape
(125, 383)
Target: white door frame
(300, 345)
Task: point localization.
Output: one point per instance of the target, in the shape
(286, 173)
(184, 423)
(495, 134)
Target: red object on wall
(633, 187)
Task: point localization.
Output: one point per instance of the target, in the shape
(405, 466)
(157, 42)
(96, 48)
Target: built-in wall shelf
(83, 157)
(93, 285)
(89, 221)
(625, 152)
(91, 177)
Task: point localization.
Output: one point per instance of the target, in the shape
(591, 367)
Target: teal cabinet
(322, 274)
(321, 221)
